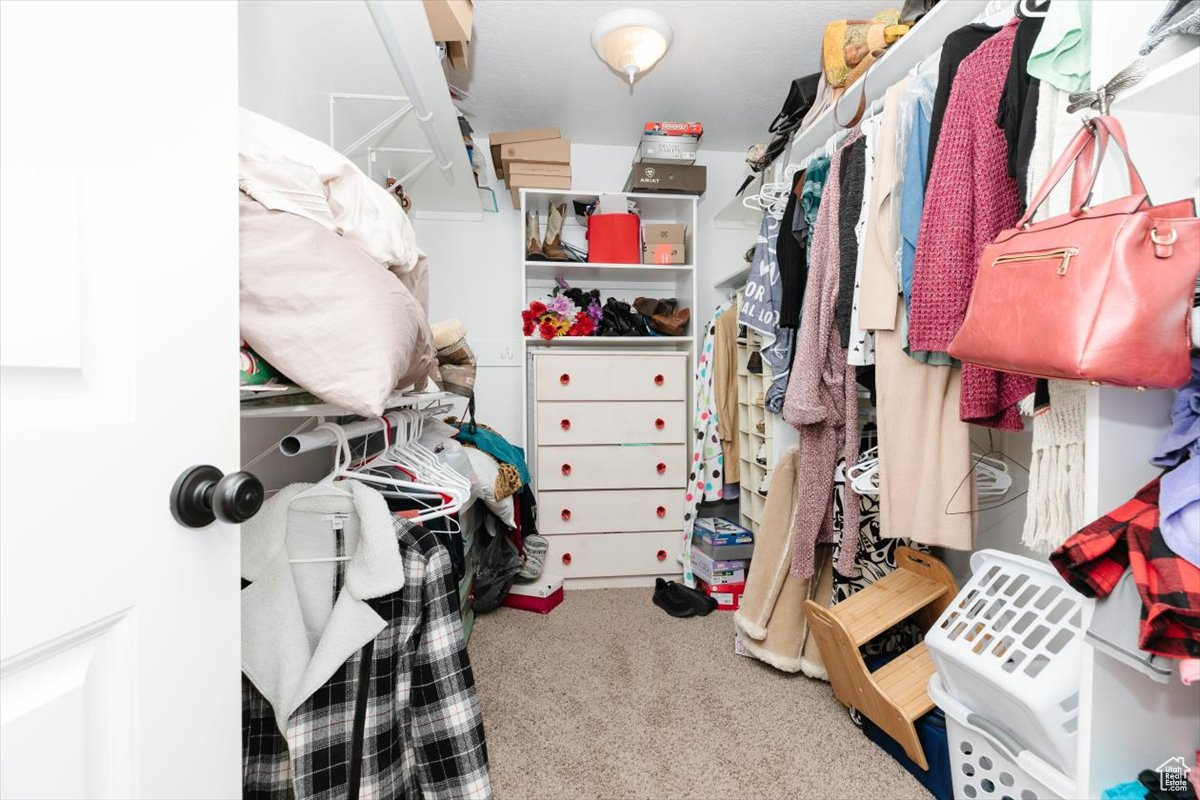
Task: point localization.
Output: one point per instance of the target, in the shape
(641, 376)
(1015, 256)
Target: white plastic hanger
(997, 13)
(326, 487)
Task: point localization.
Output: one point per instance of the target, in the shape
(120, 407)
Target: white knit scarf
(1054, 506)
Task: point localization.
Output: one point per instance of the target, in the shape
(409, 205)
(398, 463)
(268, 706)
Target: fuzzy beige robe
(771, 615)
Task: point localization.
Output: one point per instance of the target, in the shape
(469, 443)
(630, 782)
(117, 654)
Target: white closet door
(119, 629)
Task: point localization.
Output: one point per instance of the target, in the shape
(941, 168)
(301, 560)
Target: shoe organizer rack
(756, 445)
(608, 425)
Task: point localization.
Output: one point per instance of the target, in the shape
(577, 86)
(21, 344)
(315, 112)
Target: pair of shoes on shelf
(618, 319)
(761, 455)
(550, 248)
(764, 484)
(664, 315)
(681, 601)
(758, 400)
(761, 425)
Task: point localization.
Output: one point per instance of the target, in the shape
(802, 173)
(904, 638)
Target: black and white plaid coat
(367, 696)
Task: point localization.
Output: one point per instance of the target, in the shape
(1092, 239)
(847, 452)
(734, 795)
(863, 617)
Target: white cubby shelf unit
(623, 281)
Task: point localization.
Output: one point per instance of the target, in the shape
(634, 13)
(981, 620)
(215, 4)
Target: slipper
(670, 602)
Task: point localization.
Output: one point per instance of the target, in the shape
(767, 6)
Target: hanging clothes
(861, 349)
(851, 191)
(367, 688)
(790, 250)
(875, 558)
(1017, 114)
(970, 199)
(924, 448)
(815, 176)
(957, 46)
(725, 394)
(822, 397)
(706, 476)
(761, 306)
(1062, 53)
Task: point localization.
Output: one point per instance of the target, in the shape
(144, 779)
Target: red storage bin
(614, 239)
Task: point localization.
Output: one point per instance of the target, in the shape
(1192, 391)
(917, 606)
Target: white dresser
(610, 446)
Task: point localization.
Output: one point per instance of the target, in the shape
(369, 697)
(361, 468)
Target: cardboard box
(667, 178)
(533, 168)
(719, 578)
(667, 150)
(459, 54)
(519, 180)
(728, 597)
(450, 20)
(663, 252)
(500, 138)
(540, 151)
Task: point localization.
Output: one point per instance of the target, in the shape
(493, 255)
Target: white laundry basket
(1009, 648)
(985, 763)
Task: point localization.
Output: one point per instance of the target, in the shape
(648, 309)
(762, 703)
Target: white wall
(475, 268)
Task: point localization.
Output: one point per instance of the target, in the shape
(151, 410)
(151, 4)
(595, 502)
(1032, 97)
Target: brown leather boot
(673, 324)
(552, 246)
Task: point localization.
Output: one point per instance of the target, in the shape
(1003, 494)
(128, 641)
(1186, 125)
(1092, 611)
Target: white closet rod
(299, 443)
(411, 86)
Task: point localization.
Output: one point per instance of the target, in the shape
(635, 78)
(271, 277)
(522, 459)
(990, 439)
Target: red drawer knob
(661, 468)
(564, 379)
(661, 511)
(659, 424)
(659, 380)
(566, 559)
(662, 555)
(566, 515)
(566, 469)
(565, 424)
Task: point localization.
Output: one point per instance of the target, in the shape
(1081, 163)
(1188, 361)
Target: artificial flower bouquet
(567, 312)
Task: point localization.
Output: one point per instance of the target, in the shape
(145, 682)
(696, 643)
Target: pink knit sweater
(969, 200)
(822, 399)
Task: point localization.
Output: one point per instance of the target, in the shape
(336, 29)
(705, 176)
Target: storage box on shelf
(608, 424)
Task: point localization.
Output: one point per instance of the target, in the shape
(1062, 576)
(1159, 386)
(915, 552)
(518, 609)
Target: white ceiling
(729, 67)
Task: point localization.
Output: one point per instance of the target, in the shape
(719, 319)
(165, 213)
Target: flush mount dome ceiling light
(632, 40)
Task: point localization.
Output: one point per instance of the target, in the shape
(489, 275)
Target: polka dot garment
(706, 478)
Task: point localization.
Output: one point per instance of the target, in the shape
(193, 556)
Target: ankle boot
(533, 241)
(552, 247)
(673, 324)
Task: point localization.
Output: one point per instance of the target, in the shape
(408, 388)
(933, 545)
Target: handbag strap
(1085, 153)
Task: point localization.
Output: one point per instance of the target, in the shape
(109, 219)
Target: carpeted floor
(608, 697)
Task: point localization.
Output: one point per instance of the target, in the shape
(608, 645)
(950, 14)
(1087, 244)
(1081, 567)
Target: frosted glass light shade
(631, 41)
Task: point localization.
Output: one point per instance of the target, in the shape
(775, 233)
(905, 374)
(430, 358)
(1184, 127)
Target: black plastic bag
(498, 567)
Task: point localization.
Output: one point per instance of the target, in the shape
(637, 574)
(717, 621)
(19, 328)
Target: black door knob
(202, 494)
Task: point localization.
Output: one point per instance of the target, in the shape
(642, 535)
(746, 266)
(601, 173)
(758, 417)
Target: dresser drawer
(611, 423)
(614, 510)
(597, 377)
(655, 466)
(597, 555)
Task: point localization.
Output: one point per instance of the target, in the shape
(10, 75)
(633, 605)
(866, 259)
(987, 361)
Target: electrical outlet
(497, 352)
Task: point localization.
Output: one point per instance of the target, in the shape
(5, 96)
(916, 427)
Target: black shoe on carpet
(681, 601)
(671, 602)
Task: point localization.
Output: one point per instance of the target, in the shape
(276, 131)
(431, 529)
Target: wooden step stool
(894, 696)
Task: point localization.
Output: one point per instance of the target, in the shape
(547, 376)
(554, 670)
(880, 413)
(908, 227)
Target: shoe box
(722, 540)
(717, 573)
(450, 21)
(664, 244)
(667, 178)
(542, 595)
(728, 596)
(498, 139)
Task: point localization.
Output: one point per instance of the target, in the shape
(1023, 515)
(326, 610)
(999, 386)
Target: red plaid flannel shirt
(1096, 557)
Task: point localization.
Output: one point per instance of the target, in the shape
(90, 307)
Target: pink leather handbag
(1101, 294)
